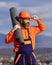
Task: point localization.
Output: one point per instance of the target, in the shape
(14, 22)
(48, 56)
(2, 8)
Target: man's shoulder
(33, 27)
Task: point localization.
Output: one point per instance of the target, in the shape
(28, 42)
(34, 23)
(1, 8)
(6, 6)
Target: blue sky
(41, 8)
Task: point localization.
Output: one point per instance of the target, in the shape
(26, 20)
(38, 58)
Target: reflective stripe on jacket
(33, 30)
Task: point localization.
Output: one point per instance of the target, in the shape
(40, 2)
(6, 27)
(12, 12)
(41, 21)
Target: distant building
(50, 63)
(45, 63)
(12, 58)
(0, 63)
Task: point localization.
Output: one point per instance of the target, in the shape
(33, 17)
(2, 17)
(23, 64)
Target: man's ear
(20, 20)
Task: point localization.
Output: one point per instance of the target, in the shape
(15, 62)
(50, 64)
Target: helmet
(24, 14)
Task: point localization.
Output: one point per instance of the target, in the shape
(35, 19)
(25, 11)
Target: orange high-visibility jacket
(34, 30)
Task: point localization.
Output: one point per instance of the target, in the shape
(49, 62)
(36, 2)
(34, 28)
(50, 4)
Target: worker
(25, 51)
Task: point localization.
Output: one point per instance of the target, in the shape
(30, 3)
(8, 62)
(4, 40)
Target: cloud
(44, 12)
(11, 4)
(2, 4)
(8, 4)
(48, 34)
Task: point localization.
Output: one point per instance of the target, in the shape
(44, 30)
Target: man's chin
(26, 27)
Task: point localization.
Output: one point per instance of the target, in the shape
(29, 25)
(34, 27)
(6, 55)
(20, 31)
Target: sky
(41, 8)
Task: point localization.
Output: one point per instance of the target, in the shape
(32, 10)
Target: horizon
(42, 41)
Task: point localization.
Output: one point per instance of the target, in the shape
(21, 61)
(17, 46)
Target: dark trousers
(27, 57)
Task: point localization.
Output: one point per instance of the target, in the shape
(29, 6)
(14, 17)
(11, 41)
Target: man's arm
(41, 26)
(10, 36)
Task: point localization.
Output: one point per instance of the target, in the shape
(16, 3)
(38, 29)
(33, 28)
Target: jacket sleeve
(9, 37)
(41, 26)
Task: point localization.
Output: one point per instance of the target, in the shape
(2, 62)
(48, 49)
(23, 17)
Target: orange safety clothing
(33, 30)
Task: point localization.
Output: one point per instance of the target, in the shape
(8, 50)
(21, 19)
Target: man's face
(25, 22)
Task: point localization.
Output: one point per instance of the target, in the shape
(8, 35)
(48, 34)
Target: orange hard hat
(24, 14)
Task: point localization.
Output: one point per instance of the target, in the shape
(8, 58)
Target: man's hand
(16, 27)
(34, 17)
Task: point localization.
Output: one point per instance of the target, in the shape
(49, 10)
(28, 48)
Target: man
(24, 52)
